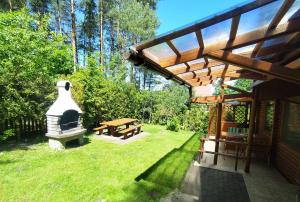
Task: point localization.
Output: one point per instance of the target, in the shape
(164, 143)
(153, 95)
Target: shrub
(6, 134)
(173, 125)
(196, 119)
(31, 57)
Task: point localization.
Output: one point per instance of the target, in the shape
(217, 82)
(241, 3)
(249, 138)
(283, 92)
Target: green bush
(173, 125)
(196, 119)
(6, 134)
(31, 58)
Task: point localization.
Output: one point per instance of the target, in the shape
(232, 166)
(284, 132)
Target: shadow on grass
(26, 144)
(166, 174)
(4, 162)
(170, 169)
(23, 144)
(75, 143)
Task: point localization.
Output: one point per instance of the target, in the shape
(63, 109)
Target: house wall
(285, 158)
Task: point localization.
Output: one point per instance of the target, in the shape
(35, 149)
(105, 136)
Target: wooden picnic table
(114, 124)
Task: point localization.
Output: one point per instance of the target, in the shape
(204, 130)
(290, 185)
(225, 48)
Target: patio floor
(263, 183)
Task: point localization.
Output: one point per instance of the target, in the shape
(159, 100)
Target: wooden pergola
(259, 40)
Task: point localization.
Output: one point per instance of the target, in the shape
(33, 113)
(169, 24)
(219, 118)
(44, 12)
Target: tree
(74, 39)
(89, 25)
(12, 5)
(41, 7)
(132, 21)
(243, 84)
(31, 58)
(61, 12)
(100, 24)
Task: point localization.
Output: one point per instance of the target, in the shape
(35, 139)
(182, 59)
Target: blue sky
(174, 14)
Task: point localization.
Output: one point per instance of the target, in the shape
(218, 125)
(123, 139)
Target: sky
(174, 14)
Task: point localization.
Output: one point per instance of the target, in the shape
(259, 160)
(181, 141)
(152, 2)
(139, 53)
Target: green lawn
(98, 170)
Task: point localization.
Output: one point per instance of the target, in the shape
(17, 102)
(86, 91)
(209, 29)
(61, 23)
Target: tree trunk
(74, 46)
(59, 16)
(84, 51)
(131, 73)
(10, 6)
(89, 50)
(112, 38)
(145, 78)
(119, 42)
(150, 81)
(101, 43)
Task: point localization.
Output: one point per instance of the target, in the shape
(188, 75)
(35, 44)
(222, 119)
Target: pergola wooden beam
(218, 131)
(134, 56)
(174, 49)
(290, 57)
(240, 41)
(194, 67)
(207, 82)
(194, 75)
(294, 64)
(200, 40)
(262, 67)
(232, 75)
(232, 71)
(275, 21)
(234, 27)
(277, 48)
(213, 99)
(234, 88)
(202, 24)
(251, 133)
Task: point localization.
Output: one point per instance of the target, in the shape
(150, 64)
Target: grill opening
(69, 120)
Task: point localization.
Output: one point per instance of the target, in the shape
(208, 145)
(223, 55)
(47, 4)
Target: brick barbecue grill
(63, 118)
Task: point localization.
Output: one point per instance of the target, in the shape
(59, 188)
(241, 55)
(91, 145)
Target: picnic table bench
(134, 130)
(100, 129)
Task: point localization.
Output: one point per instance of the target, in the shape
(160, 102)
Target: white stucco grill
(63, 118)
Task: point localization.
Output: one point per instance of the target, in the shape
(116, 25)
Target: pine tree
(12, 5)
(74, 39)
(89, 26)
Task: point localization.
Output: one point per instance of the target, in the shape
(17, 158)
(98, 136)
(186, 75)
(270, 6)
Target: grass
(144, 170)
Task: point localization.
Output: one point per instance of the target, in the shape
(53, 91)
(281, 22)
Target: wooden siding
(285, 158)
(288, 162)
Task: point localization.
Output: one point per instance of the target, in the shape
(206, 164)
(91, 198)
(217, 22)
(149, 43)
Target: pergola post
(251, 133)
(218, 132)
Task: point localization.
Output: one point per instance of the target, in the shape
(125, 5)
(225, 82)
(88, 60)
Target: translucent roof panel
(277, 40)
(292, 12)
(161, 51)
(187, 74)
(202, 70)
(216, 32)
(218, 67)
(176, 67)
(194, 62)
(186, 42)
(258, 18)
(244, 49)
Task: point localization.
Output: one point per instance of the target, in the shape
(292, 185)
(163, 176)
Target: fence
(24, 127)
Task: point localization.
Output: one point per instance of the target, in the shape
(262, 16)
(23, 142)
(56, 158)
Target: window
(268, 124)
(291, 124)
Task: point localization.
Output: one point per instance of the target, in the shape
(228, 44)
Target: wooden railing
(23, 127)
(238, 147)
